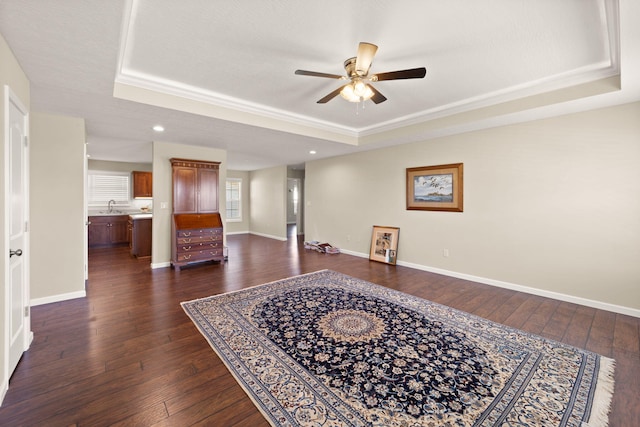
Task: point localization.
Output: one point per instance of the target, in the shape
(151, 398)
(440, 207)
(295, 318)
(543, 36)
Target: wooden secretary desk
(196, 229)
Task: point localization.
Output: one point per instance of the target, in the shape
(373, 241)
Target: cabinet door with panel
(99, 231)
(119, 232)
(185, 181)
(109, 230)
(140, 244)
(207, 190)
(142, 185)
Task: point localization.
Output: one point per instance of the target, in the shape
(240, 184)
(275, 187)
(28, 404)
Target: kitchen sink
(113, 212)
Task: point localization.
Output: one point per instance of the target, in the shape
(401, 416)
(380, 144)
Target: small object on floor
(321, 247)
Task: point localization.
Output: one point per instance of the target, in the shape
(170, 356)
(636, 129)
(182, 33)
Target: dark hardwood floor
(127, 355)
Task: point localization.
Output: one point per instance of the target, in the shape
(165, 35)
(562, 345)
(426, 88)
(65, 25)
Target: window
(234, 199)
(105, 186)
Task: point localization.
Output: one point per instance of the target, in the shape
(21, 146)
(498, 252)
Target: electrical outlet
(348, 237)
(445, 253)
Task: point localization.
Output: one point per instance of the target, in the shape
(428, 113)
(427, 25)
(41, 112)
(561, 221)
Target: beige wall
(104, 165)
(57, 208)
(551, 206)
(12, 75)
(245, 225)
(268, 188)
(163, 192)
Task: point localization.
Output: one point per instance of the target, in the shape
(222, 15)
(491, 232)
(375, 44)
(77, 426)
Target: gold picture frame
(435, 188)
(384, 244)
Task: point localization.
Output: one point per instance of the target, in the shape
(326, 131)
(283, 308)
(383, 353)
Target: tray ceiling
(222, 74)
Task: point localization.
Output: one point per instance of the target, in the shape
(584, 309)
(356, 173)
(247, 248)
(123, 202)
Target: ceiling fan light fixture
(356, 91)
(359, 88)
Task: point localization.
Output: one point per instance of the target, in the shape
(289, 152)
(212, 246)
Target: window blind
(105, 187)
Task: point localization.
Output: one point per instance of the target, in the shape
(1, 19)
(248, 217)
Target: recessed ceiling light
(312, 152)
(158, 128)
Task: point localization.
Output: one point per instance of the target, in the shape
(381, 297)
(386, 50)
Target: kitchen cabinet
(142, 185)
(140, 240)
(195, 186)
(108, 230)
(196, 238)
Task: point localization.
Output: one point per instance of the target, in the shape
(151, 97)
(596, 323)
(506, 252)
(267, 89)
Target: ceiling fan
(358, 89)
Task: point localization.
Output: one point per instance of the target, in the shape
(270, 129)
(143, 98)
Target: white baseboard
(160, 265)
(269, 236)
(520, 288)
(58, 298)
(358, 254)
(282, 239)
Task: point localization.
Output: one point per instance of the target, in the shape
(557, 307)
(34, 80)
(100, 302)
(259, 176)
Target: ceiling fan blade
(330, 96)
(377, 96)
(366, 52)
(316, 74)
(413, 73)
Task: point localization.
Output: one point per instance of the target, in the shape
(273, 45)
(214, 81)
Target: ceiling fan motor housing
(350, 67)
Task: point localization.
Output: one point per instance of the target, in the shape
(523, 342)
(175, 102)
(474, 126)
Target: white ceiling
(221, 73)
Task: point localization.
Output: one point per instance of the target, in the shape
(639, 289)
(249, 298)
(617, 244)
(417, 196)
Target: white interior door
(17, 325)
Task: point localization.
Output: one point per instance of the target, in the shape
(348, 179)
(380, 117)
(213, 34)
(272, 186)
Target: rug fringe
(599, 416)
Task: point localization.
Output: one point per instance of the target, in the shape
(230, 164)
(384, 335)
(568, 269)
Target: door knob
(16, 253)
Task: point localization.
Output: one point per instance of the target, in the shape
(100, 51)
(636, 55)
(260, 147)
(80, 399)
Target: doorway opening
(294, 208)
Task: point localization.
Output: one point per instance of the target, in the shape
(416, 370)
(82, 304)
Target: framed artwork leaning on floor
(384, 244)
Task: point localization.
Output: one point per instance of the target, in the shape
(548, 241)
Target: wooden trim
(200, 164)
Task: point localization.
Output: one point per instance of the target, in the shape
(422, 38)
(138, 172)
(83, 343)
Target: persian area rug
(325, 349)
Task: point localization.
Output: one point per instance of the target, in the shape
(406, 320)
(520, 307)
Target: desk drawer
(199, 232)
(195, 247)
(199, 255)
(194, 240)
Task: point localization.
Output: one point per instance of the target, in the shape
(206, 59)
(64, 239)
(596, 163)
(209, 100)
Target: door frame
(9, 97)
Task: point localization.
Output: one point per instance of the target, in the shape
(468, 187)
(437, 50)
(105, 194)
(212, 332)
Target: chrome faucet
(110, 207)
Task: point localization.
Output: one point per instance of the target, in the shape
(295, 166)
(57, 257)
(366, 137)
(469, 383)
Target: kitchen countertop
(115, 212)
(140, 215)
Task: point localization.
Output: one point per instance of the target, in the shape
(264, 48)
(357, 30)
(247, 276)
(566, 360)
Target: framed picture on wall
(384, 244)
(435, 188)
